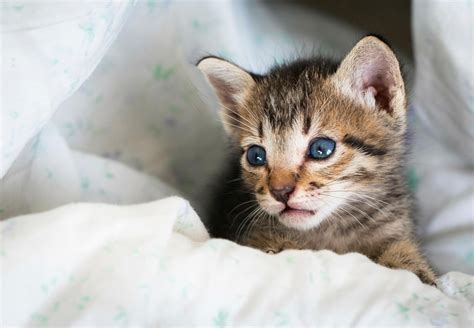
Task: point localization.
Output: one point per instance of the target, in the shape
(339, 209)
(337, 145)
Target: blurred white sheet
(153, 265)
(443, 153)
(48, 50)
(145, 105)
(144, 120)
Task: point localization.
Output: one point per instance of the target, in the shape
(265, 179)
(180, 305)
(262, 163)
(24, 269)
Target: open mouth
(296, 213)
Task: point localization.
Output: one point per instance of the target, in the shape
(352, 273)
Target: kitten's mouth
(291, 212)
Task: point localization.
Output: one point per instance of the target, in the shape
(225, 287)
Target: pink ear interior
(378, 80)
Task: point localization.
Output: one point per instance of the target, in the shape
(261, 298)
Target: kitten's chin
(300, 219)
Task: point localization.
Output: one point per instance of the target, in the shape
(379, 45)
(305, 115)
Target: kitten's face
(306, 162)
(313, 140)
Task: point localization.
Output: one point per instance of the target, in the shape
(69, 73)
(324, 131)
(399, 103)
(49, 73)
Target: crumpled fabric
(153, 264)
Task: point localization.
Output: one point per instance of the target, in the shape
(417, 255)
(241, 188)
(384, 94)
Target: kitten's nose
(282, 193)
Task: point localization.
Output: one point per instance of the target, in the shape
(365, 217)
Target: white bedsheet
(139, 121)
(107, 265)
(153, 264)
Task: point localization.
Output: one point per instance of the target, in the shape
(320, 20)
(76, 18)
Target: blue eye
(321, 148)
(256, 156)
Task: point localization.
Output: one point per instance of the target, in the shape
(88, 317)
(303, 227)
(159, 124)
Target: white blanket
(153, 264)
(138, 120)
(99, 264)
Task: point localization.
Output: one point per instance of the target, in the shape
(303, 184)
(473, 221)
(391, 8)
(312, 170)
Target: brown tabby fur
(286, 108)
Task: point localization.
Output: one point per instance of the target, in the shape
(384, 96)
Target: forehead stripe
(361, 146)
(307, 124)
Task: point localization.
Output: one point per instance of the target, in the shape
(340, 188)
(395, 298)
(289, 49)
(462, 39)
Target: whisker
(357, 192)
(240, 122)
(334, 213)
(242, 204)
(236, 126)
(236, 217)
(234, 180)
(241, 117)
(252, 224)
(250, 112)
(247, 220)
(343, 209)
(354, 207)
(369, 203)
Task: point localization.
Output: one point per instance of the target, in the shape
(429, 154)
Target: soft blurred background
(392, 19)
(101, 101)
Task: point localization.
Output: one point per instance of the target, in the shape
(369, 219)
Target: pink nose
(282, 193)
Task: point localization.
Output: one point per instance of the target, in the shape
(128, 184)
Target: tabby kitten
(318, 152)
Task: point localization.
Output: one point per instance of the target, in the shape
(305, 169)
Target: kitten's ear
(231, 84)
(371, 74)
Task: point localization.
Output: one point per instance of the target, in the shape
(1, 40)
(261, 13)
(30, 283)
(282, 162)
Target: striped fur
(358, 195)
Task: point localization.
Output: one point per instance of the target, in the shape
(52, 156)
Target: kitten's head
(315, 137)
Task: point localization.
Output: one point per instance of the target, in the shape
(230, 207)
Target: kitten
(317, 161)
